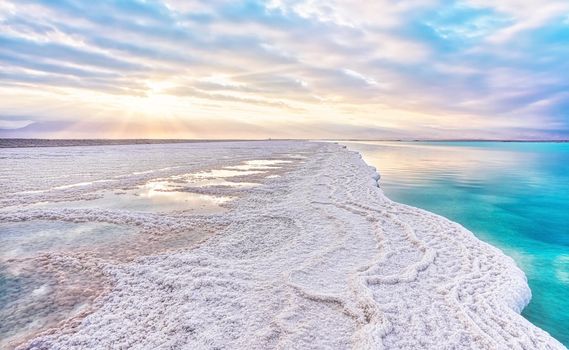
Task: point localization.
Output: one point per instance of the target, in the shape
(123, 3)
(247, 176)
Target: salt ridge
(316, 258)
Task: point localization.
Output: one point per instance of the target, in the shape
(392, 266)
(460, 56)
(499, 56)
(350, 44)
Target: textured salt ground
(315, 258)
(52, 253)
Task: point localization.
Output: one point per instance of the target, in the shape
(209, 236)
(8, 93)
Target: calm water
(512, 195)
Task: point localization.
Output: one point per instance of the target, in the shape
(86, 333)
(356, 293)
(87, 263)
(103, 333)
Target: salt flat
(312, 255)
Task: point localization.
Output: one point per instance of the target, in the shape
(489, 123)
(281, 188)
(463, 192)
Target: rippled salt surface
(308, 254)
(58, 231)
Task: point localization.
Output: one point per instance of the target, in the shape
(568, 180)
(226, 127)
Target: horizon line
(7, 142)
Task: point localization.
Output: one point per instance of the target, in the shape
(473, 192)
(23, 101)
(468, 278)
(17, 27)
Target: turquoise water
(512, 195)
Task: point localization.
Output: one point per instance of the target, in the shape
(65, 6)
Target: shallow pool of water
(21, 240)
(154, 196)
(259, 164)
(40, 285)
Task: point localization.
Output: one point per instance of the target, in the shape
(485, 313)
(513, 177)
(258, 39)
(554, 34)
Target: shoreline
(341, 259)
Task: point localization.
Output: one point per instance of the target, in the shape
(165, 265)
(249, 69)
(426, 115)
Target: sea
(513, 195)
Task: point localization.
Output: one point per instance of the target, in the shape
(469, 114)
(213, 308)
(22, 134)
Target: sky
(383, 69)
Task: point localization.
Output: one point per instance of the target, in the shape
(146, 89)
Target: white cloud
(526, 14)
(378, 14)
(14, 124)
(368, 80)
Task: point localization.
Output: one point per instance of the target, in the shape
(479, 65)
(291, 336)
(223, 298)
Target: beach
(235, 245)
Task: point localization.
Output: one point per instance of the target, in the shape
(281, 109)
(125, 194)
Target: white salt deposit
(316, 257)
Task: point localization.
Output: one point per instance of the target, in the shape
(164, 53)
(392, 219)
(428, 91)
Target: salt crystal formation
(313, 257)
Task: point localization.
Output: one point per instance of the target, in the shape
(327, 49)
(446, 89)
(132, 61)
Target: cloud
(204, 129)
(358, 76)
(14, 124)
(390, 66)
(221, 97)
(525, 14)
(59, 52)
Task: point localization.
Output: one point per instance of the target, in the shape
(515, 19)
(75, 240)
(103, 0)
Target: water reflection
(40, 283)
(512, 195)
(226, 172)
(259, 164)
(31, 238)
(153, 196)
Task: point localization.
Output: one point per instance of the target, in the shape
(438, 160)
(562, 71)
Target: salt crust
(315, 258)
